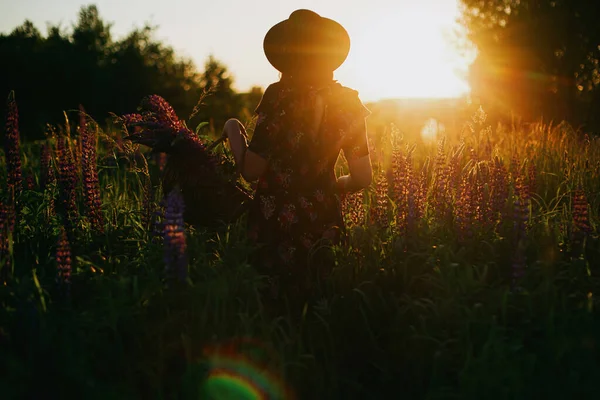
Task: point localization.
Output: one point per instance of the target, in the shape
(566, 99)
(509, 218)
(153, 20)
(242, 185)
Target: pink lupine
(47, 177)
(63, 263)
(441, 189)
(5, 230)
(520, 218)
(91, 186)
(12, 149)
(380, 202)
(521, 205)
(581, 218)
(465, 210)
(67, 182)
(353, 209)
(498, 189)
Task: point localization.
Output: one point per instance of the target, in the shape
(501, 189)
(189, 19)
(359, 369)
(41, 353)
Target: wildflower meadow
(471, 270)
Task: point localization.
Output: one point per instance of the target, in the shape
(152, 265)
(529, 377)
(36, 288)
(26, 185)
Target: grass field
(472, 272)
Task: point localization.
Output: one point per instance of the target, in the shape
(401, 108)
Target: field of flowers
(472, 271)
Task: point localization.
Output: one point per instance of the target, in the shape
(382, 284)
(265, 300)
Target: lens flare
(241, 369)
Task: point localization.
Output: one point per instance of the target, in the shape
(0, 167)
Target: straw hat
(306, 40)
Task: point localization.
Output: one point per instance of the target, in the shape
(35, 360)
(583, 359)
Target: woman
(304, 121)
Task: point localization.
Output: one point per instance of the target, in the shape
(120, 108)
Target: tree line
(61, 70)
(537, 58)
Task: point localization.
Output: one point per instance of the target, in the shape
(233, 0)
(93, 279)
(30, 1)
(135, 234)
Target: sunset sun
(407, 55)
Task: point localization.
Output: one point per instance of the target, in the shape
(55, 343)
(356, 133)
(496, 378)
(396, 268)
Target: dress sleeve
(355, 144)
(261, 142)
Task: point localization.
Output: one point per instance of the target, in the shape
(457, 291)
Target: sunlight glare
(432, 130)
(407, 54)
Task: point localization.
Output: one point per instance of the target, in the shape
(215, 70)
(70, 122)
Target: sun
(407, 54)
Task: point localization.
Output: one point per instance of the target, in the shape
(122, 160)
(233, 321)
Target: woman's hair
(307, 77)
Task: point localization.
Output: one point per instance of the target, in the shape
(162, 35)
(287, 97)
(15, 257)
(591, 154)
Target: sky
(399, 48)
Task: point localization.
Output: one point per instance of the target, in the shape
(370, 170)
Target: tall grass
(471, 271)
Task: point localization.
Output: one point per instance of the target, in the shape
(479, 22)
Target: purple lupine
(406, 191)
(464, 210)
(63, 263)
(521, 206)
(47, 177)
(175, 256)
(498, 190)
(47, 174)
(67, 181)
(5, 231)
(412, 192)
(581, 220)
(91, 186)
(441, 189)
(520, 219)
(380, 202)
(353, 209)
(165, 114)
(30, 182)
(12, 149)
(398, 186)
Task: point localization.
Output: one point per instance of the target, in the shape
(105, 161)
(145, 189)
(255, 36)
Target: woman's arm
(359, 161)
(360, 175)
(250, 165)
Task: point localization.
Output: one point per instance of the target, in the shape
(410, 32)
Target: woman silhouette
(304, 121)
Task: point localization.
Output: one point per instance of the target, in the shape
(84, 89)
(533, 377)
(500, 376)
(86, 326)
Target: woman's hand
(236, 134)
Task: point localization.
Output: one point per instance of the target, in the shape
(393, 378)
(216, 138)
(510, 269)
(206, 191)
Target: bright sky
(399, 48)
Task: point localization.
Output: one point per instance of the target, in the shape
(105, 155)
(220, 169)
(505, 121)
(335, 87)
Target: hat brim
(321, 43)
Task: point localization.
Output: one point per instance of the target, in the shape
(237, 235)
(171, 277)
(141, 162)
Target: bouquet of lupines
(208, 180)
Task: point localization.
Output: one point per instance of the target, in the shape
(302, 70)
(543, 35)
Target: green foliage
(411, 311)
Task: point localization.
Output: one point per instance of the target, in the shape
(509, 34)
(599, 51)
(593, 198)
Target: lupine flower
(405, 191)
(67, 182)
(380, 202)
(398, 186)
(520, 218)
(63, 263)
(194, 168)
(77, 147)
(521, 205)
(91, 187)
(175, 256)
(12, 149)
(441, 195)
(47, 174)
(532, 177)
(453, 171)
(580, 213)
(465, 210)
(30, 183)
(161, 160)
(5, 231)
(353, 209)
(498, 189)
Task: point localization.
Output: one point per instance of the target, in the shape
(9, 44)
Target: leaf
(200, 125)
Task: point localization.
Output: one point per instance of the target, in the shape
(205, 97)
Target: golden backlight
(407, 53)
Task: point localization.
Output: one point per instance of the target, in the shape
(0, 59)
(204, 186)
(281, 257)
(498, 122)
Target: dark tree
(536, 57)
(87, 66)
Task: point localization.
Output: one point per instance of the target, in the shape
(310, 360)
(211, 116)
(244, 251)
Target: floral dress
(296, 210)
